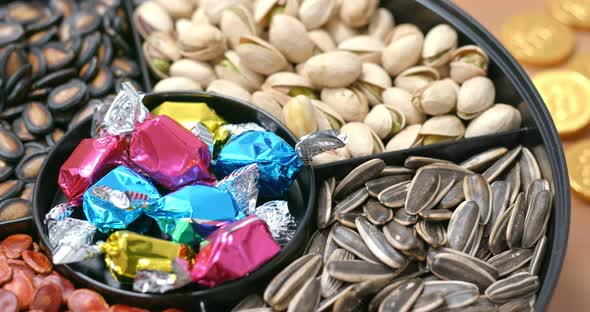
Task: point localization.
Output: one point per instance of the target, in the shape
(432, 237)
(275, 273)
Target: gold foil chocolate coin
(578, 163)
(575, 13)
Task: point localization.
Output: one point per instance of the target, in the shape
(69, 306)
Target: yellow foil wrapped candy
(126, 253)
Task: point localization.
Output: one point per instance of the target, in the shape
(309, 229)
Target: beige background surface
(573, 289)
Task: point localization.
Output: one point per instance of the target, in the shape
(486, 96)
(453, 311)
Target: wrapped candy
(90, 161)
(234, 251)
(122, 115)
(242, 184)
(281, 223)
(71, 239)
(189, 231)
(118, 199)
(169, 153)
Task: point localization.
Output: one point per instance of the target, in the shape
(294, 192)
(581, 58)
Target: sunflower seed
(480, 263)
(515, 230)
(415, 162)
(395, 195)
(324, 205)
(377, 213)
(534, 187)
(537, 218)
(395, 170)
(351, 202)
(250, 302)
(433, 233)
(461, 298)
(403, 296)
(329, 285)
(516, 305)
(350, 301)
(347, 219)
(482, 304)
(359, 176)
(376, 186)
(476, 241)
(454, 196)
(307, 298)
(332, 183)
(399, 236)
(427, 303)
(377, 244)
(354, 271)
(513, 179)
(447, 287)
(478, 190)
(501, 164)
(330, 246)
(383, 293)
(516, 286)
(511, 260)
(538, 254)
(422, 192)
(500, 199)
(463, 225)
(529, 168)
(484, 159)
(402, 217)
(352, 241)
(436, 215)
(317, 243)
(451, 266)
(497, 241)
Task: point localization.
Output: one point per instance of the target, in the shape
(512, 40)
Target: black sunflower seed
(67, 96)
(10, 32)
(54, 136)
(57, 55)
(12, 58)
(42, 37)
(55, 78)
(21, 131)
(10, 188)
(6, 170)
(24, 13)
(105, 51)
(89, 47)
(29, 167)
(102, 83)
(124, 67)
(15, 208)
(37, 118)
(89, 70)
(11, 148)
(37, 61)
(66, 8)
(83, 22)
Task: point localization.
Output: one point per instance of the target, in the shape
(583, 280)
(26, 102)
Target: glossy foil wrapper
(90, 161)
(118, 199)
(71, 240)
(277, 161)
(189, 231)
(123, 114)
(126, 253)
(169, 153)
(242, 184)
(281, 223)
(234, 251)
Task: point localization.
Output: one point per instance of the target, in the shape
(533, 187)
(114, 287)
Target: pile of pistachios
(327, 64)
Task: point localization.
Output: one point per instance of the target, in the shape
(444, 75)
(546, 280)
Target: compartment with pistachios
(381, 75)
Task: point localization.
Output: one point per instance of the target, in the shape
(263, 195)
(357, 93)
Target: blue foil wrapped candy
(118, 199)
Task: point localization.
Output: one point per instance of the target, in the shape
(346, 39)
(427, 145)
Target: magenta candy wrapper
(91, 160)
(169, 153)
(234, 251)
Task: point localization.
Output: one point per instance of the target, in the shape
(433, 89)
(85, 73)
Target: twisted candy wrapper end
(318, 142)
(161, 282)
(123, 114)
(71, 240)
(281, 223)
(242, 184)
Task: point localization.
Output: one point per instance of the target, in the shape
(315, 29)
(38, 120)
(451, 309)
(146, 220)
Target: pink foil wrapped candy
(169, 153)
(234, 251)
(91, 160)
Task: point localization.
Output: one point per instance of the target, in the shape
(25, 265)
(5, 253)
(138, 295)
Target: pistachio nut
(177, 8)
(237, 21)
(268, 103)
(315, 13)
(265, 10)
(404, 50)
(468, 62)
(442, 128)
(333, 69)
(436, 98)
(231, 68)
(368, 48)
(160, 50)
(386, 121)
(229, 88)
(183, 23)
(416, 77)
(339, 31)
(407, 138)
(327, 113)
(322, 41)
(200, 72)
(260, 56)
(177, 84)
(199, 17)
(475, 96)
(372, 82)
(351, 104)
(299, 116)
(362, 140)
(331, 156)
(284, 85)
(439, 44)
(498, 118)
(401, 100)
(381, 24)
(214, 8)
(150, 17)
(200, 42)
(289, 36)
(357, 13)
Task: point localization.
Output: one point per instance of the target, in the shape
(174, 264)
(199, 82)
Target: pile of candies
(174, 192)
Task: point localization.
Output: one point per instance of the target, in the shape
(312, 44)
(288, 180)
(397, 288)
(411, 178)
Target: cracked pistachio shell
(200, 42)
(468, 62)
(439, 44)
(333, 69)
(339, 31)
(177, 8)
(401, 100)
(299, 115)
(289, 36)
(177, 84)
(237, 21)
(160, 50)
(268, 103)
(407, 138)
(498, 118)
(405, 48)
(199, 17)
(265, 10)
(362, 140)
(368, 48)
(381, 24)
(385, 121)
(437, 98)
(229, 88)
(322, 40)
(331, 156)
(442, 128)
(351, 104)
(372, 82)
(357, 13)
(231, 68)
(150, 17)
(315, 13)
(200, 72)
(285, 85)
(416, 77)
(260, 56)
(328, 114)
(475, 96)
(214, 8)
